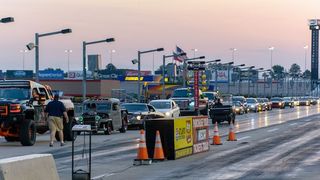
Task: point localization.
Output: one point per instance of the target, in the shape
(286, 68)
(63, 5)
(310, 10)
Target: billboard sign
(200, 134)
(222, 75)
(51, 74)
(135, 73)
(78, 74)
(19, 74)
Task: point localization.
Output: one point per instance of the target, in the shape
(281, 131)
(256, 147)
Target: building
(94, 62)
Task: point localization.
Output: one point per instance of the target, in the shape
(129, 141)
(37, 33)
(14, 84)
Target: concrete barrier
(29, 167)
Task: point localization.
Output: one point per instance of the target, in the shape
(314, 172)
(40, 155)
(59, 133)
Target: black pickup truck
(224, 112)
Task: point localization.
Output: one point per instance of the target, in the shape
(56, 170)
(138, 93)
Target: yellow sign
(133, 78)
(183, 136)
(183, 152)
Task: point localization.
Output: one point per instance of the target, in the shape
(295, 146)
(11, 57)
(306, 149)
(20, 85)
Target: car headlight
(280, 103)
(237, 109)
(97, 118)
(252, 106)
(191, 103)
(167, 114)
(139, 118)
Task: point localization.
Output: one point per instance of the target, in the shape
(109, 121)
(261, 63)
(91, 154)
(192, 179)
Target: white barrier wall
(29, 167)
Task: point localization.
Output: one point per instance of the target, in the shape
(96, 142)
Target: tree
(294, 70)
(277, 72)
(307, 74)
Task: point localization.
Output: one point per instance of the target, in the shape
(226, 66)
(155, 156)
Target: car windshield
(182, 93)
(238, 103)
(136, 107)
(210, 96)
(251, 100)
(15, 93)
(238, 99)
(100, 107)
(287, 98)
(276, 99)
(161, 105)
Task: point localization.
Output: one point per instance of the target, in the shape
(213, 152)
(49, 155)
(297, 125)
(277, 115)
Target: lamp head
(160, 49)
(66, 31)
(30, 46)
(110, 40)
(7, 20)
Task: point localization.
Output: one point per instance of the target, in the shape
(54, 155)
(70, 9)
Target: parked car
(253, 105)
(139, 112)
(296, 101)
(304, 101)
(243, 101)
(212, 96)
(238, 107)
(277, 102)
(288, 101)
(167, 106)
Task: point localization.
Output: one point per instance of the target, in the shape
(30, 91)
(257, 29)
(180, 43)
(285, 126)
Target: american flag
(177, 56)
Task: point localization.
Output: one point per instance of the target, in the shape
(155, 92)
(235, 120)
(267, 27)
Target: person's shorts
(55, 123)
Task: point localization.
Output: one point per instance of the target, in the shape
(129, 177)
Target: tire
(124, 126)
(28, 132)
(11, 139)
(108, 131)
(67, 131)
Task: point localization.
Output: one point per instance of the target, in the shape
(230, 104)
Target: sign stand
(81, 174)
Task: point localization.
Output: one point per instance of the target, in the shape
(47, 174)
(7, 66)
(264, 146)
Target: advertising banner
(19, 74)
(135, 73)
(200, 134)
(78, 75)
(51, 74)
(222, 75)
(135, 78)
(183, 140)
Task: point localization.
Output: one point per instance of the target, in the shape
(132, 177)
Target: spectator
(55, 110)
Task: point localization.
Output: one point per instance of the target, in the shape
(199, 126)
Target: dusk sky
(211, 26)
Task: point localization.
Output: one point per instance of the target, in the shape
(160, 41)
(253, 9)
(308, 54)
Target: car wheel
(108, 130)
(28, 132)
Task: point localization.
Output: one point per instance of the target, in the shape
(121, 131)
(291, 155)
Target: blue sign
(19, 74)
(135, 78)
(51, 74)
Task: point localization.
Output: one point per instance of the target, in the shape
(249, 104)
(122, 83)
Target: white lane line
(307, 120)
(245, 137)
(101, 176)
(293, 124)
(272, 130)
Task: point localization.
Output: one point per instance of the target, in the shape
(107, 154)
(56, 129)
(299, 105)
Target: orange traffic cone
(142, 156)
(158, 151)
(216, 137)
(232, 135)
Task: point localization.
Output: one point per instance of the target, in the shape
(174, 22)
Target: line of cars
(244, 105)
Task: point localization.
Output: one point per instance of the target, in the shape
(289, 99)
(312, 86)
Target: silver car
(167, 106)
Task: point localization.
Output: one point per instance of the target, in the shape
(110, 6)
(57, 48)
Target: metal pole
(23, 58)
(184, 73)
(216, 78)
(163, 75)
(271, 58)
(68, 61)
(249, 83)
(264, 85)
(37, 56)
(239, 82)
(84, 72)
(229, 78)
(271, 87)
(139, 75)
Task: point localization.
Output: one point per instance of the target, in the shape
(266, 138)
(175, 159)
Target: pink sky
(211, 26)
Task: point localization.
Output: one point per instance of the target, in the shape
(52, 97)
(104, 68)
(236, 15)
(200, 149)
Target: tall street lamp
(215, 71)
(249, 68)
(264, 80)
(111, 54)
(305, 57)
(164, 57)
(271, 49)
(216, 74)
(7, 20)
(233, 50)
(68, 51)
(23, 52)
(237, 66)
(194, 52)
(139, 67)
(185, 67)
(35, 45)
(84, 70)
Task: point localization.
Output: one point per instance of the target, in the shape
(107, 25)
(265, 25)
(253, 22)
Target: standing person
(55, 111)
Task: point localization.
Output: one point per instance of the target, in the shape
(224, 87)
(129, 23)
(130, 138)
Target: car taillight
(3, 110)
(15, 108)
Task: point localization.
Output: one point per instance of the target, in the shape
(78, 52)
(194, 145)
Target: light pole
(111, 53)
(163, 70)
(7, 20)
(185, 67)
(228, 66)
(139, 67)
(233, 67)
(35, 45)
(305, 57)
(249, 67)
(194, 52)
(264, 81)
(233, 51)
(271, 49)
(250, 78)
(215, 71)
(84, 70)
(23, 52)
(68, 51)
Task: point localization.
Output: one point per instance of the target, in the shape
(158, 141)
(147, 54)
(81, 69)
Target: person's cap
(56, 96)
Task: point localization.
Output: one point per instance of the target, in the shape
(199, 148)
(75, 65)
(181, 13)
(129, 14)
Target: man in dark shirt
(55, 110)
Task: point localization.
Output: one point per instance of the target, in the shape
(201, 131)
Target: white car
(167, 106)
